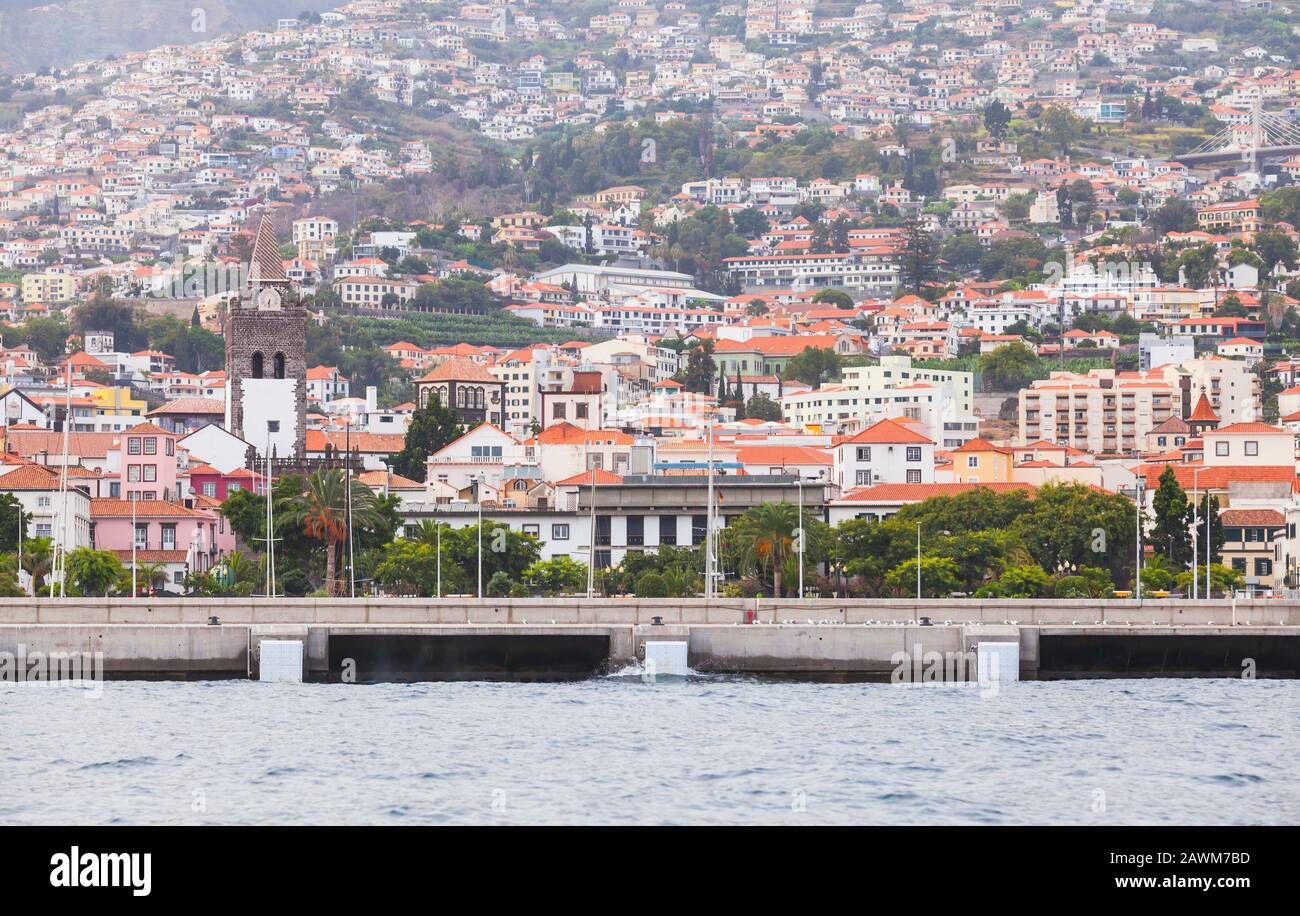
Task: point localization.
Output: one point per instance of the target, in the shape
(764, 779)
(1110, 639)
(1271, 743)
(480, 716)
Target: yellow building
(1230, 214)
(980, 461)
(118, 409)
(48, 288)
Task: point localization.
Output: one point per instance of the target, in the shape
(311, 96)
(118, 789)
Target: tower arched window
(257, 364)
(279, 365)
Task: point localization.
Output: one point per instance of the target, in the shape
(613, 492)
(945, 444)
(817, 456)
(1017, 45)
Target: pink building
(206, 480)
(146, 462)
(182, 536)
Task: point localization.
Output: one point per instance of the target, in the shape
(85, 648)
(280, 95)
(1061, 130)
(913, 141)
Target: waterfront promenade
(413, 639)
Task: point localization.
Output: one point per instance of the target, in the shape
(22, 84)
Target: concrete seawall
(632, 611)
(415, 639)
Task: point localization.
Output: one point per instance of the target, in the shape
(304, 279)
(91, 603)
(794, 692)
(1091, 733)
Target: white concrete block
(281, 660)
(998, 662)
(666, 657)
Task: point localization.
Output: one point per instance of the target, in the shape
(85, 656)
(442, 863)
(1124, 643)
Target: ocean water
(617, 750)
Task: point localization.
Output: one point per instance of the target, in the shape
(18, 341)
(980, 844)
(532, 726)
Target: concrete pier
(369, 640)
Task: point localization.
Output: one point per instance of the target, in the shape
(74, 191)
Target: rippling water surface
(616, 750)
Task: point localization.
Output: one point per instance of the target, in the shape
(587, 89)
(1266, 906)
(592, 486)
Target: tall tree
(432, 427)
(763, 537)
(11, 516)
(1207, 517)
(997, 117)
(700, 368)
(1170, 535)
(918, 263)
(322, 511)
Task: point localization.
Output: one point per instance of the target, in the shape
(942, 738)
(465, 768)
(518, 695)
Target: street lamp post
(479, 493)
(708, 518)
(1196, 523)
(799, 482)
(135, 591)
(1137, 549)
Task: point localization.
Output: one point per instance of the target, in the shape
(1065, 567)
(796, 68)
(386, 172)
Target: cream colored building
(48, 288)
(1102, 412)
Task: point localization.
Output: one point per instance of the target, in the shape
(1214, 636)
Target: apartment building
(872, 270)
(48, 287)
(1102, 412)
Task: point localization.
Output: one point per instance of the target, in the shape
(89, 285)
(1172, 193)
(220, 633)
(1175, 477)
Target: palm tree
(763, 537)
(147, 574)
(38, 559)
(681, 582)
(322, 510)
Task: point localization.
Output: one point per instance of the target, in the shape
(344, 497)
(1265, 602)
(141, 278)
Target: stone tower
(266, 355)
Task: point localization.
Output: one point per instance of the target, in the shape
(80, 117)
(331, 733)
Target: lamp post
(20, 546)
(1137, 549)
(1196, 574)
(352, 575)
(799, 482)
(479, 493)
(708, 518)
(135, 591)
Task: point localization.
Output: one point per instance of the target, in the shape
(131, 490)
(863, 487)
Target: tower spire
(265, 265)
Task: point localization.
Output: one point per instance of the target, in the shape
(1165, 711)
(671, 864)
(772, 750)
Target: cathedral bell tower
(266, 356)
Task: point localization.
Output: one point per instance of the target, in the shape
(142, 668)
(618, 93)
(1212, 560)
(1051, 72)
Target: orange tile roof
(916, 492)
(1268, 518)
(147, 508)
(771, 455)
(981, 445)
(890, 432)
(584, 478)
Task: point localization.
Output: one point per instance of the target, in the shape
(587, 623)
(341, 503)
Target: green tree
(93, 572)
(47, 336)
(1197, 265)
(939, 578)
(322, 511)
(835, 297)
(1207, 525)
(9, 577)
(410, 567)
(762, 407)
(1062, 127)
(38, 559)
(1086, 582)
(700, 368)
(1028, 581)
(1224, 580)
(814, 365)
(762, 538)
(997, 117)
(556, 576)
(11, 517)
(499, 585)
(432, 428)
(651, 585)
(918, 260)
(1010, 367)
(1170, 536)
